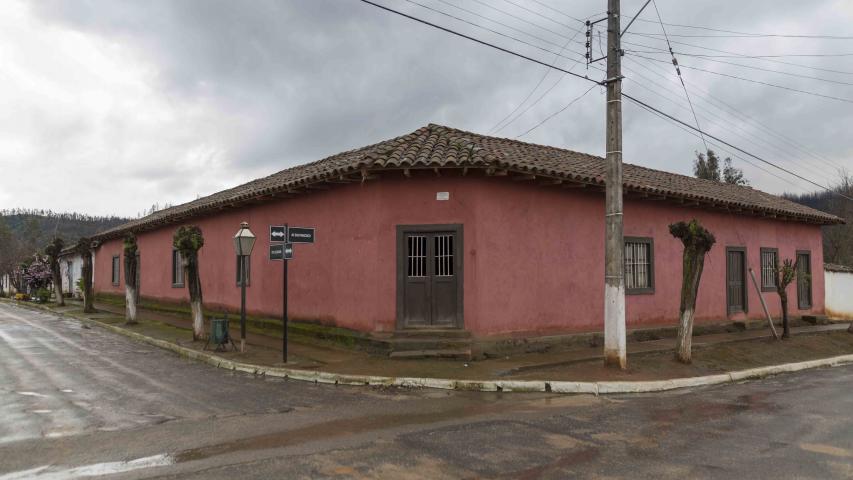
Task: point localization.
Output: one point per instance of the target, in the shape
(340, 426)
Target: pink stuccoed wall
(533, 259)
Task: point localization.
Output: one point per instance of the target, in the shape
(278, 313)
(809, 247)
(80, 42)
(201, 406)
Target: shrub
(42, 295)
(23, 297)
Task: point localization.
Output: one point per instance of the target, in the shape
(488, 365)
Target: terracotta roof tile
(439, 146)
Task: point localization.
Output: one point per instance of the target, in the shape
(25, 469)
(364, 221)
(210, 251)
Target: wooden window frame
(176, 254)
(797, 279)
(745, 310)
(115, 273)
(458, 230)
(248, 270)
(650, 290)
(775, 252)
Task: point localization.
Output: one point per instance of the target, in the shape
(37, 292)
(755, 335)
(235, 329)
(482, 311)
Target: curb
(556, 386)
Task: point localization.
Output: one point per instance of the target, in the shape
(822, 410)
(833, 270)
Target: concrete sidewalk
(648, 360)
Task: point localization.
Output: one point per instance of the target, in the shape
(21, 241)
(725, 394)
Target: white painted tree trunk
(198, 319)
(130, 304)
(684, 345)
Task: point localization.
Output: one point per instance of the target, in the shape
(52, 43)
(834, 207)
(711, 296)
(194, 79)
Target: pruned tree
(697, 242)
(784, 276)
(53, 250)
(188, 240)
(84, 249)
(131, 267)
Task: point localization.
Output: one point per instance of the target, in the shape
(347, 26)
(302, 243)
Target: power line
(723, 149)
(521, 19)
(541, 80)
(752, 67)
(561, 12)
(534, 12)
(678, 71)
(714, 102)
(717, 50)
(499, 23)
(478, 26)
(549, 117)
(727, 108)
(768, 84)
(722, 123)
(755, 35)
(535, 102)
(763, 58)
(749, 34)
(645, 105)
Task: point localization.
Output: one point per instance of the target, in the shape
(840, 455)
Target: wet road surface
(77, 402)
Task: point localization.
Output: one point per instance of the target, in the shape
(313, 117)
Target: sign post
(284, 319)
(279, 250)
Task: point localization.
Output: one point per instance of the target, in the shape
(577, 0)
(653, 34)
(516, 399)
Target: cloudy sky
(109, 106)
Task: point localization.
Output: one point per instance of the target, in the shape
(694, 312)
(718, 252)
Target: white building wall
(839, 294)
(70, 269)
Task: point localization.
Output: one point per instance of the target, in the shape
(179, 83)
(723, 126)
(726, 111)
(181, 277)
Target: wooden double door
(429, 276)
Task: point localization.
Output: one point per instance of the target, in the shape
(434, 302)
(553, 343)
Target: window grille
(417, 256)
(769, 258)
(116, 269)
(177, 269)
(444, 255)
(638, 265)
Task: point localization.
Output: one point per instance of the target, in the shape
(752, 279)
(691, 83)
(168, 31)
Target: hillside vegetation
(25, 232)
(837, 239)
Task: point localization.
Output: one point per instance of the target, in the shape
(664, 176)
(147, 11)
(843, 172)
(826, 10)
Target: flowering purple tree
(37, 274)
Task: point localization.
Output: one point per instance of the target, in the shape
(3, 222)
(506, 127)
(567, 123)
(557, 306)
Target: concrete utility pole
(614, 278)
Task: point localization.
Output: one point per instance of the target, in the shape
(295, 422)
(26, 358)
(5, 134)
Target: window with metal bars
(177, 269)
(116, 269)
(443, 255)
(769, 261)
(417, 256)
(639, 265)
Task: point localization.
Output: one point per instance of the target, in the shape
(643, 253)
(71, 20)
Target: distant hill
(837, 239)
(33, 229)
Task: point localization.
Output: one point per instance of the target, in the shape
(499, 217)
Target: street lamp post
(244, 241)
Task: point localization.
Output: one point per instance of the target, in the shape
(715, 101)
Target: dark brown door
(804, 280)
(735, 281)
(430, 280)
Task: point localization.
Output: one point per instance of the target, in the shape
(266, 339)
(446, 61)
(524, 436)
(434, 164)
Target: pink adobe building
(446, 229)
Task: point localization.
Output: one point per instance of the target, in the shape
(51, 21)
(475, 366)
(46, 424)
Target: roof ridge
(440, 146)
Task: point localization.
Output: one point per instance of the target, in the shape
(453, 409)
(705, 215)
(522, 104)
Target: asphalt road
(76, 402)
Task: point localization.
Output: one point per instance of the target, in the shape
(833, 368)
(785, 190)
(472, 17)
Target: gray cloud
(262, 85)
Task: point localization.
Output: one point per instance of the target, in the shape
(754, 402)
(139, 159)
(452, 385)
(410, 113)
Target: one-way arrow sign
(281, 252)
(278, 233)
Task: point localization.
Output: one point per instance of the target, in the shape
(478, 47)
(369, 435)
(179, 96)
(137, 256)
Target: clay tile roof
(444, 147)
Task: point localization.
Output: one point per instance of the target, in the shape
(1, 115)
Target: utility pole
(614, 278)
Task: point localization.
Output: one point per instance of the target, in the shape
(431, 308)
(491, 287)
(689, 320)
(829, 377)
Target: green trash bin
(219, 335)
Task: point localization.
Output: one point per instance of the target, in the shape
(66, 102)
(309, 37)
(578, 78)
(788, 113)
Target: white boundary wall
(839, 292)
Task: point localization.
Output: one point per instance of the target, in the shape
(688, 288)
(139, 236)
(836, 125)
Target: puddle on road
(351, 426)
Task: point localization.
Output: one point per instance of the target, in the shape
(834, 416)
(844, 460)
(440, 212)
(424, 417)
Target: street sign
(281, 251)
(278, 233)
(300, 235)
